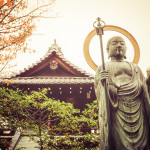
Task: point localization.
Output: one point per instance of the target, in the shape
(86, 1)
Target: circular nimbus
(110, 28)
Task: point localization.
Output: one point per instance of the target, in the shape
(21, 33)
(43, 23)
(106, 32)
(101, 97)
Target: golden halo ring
(109, 28)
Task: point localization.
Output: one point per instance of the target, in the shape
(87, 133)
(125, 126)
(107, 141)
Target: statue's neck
(117, 59)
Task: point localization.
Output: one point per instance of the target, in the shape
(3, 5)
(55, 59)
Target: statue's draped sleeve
(103, 124)
(145, 92)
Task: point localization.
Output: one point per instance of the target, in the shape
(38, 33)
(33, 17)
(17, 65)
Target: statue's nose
(119, 45)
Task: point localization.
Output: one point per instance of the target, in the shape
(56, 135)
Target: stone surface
(26, 143)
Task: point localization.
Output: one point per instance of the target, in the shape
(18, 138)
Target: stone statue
(129, 102)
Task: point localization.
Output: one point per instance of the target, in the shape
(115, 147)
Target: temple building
(66, 81)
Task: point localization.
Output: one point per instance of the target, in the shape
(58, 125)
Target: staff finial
(99, 25)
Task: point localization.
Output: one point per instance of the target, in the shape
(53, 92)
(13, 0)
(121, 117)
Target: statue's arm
(102, 109)
(97, 83)
(100, 77)
(97, 77)
(145, 86)
(148, 82)
(145, 93)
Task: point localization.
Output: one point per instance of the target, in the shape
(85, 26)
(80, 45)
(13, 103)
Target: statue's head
(116, 47)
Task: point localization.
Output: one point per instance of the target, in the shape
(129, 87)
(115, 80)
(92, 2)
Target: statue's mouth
(119, 50)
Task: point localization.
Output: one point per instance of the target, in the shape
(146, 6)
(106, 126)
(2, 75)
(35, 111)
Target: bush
(55, 124)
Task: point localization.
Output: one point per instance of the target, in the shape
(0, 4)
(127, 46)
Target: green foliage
(50, 117)
(11, 108)
(85, 142)
(53, 124)
(11, 112)
(90, 115)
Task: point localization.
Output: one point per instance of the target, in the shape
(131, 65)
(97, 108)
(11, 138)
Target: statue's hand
(103, 75)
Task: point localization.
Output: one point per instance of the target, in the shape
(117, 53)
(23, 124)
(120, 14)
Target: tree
(11, 108)
(49, 117)
(58, 125)
(16, 25)
(90, 115)
(11, 113)
(54, 124)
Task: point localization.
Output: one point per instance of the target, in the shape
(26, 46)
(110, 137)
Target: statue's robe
(129, 107)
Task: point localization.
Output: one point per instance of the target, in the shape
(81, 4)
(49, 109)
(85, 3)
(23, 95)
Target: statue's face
(117, 47)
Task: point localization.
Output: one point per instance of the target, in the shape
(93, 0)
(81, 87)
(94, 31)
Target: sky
(75, 21)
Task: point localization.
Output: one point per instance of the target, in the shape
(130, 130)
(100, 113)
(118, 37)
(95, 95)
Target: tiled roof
(54, 48)
(53, 80)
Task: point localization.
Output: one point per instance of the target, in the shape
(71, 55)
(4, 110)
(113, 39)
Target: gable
(52, 66)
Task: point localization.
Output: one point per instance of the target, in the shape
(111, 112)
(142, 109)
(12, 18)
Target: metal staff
(99, 30)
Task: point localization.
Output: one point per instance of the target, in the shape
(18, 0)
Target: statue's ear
(108, 52)
(125, 57)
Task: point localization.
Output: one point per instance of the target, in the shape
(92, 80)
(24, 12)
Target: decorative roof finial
(54, 41)
(55, 47)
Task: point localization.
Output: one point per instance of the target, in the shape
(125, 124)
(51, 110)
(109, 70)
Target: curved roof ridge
(54, 48)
